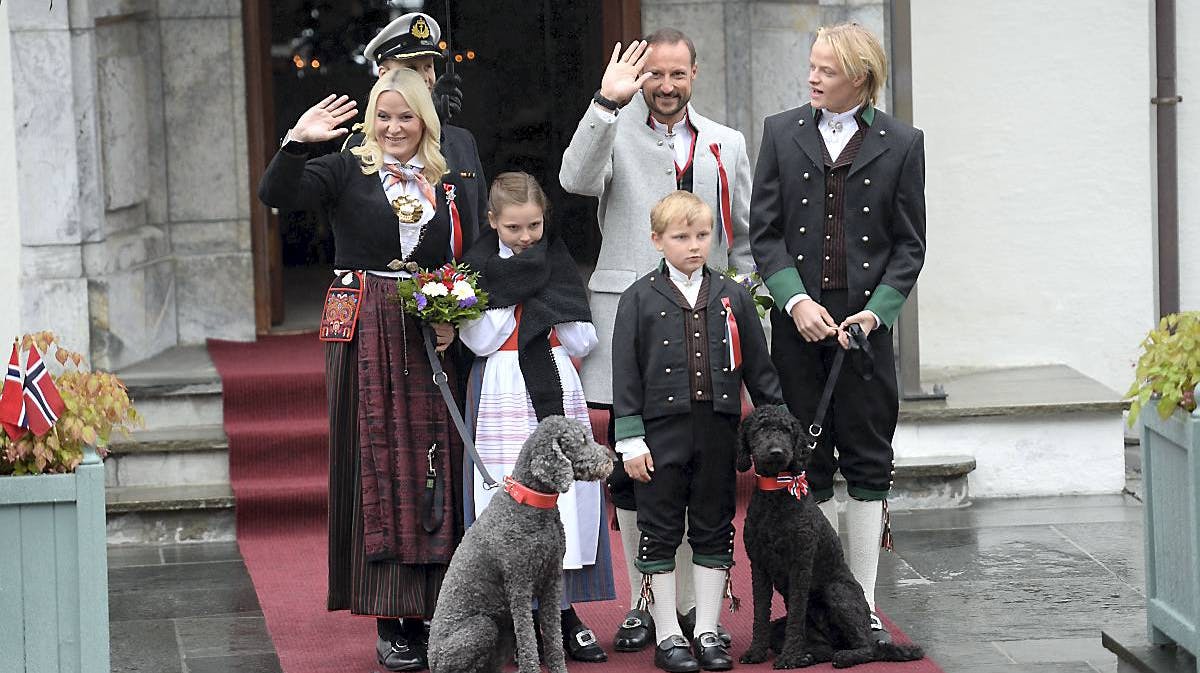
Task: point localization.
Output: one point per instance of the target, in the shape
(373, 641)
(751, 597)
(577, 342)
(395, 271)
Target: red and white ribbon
(456, 235)
(724, 196)
(731, 335)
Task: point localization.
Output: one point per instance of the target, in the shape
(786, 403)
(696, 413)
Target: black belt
(434, 493)
(864, 363)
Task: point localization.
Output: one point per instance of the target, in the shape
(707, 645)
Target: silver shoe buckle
(585, 638)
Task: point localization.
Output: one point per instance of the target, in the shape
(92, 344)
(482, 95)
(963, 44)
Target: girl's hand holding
(321, 121)
(445, 335)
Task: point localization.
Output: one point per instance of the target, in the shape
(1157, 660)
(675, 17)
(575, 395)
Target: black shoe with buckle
(711, 652)
(879, 632)
(398, 655)
(580, 644)
(636, 632)
(675, 656)
(687, 624)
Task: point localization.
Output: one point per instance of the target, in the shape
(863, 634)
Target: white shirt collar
(505, 251)
(681, 277)
(681, 127)
(828, 117)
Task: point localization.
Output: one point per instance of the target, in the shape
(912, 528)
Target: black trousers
(693, 481)
(861, 420)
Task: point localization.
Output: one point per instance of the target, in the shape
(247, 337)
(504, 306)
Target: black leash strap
(433, 496)
(863, 362)
(442, 381)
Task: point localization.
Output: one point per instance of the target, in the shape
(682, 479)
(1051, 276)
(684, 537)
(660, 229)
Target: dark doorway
(529, 74)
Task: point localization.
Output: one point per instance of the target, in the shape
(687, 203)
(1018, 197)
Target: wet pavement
(1001, 586)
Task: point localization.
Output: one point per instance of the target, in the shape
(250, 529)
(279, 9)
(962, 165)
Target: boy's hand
(813, 321)
(639, 468)
(444, 332)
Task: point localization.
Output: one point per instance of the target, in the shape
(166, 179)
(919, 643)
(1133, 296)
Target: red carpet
(275, 417)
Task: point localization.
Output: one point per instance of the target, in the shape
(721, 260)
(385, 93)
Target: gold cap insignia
(420, 29)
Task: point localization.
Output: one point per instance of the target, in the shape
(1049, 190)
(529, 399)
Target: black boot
(578, 640)
(635, 633)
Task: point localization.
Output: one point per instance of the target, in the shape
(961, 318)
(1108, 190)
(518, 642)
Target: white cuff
(632, 447)
(878, 322)
(791, 303)
(605, 115)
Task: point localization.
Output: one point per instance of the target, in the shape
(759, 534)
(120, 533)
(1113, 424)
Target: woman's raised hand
(623, 76)
(321, 121)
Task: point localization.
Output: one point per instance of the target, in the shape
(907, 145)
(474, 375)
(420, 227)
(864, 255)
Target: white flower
(462, 290)
(432, 289)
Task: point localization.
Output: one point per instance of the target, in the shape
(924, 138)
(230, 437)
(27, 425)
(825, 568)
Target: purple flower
(421, 301)
(467, 302)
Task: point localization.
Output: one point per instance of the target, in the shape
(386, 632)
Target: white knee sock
(666, 623)
(710, 587)
(829, 509)
(630, 538)
(864, 526)
(685, 594)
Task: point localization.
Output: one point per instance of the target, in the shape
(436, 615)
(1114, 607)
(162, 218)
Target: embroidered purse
(342, 303)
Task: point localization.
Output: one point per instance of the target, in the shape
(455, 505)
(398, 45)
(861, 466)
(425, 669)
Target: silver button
(592, 125)
(866, 238)
(667, 370)
(666, 342)
(699, 373)
(804, 202)
(866, 265)
(670, 398)
(699, 355)
(660, 143)
(724, 396)
(867, 181)
(697, 335)
(826, 279)
(806, 176)
(827, 237)
(699, 393)
(883, 133)
(799, 258)
(830, 216)
(670, 171)
(866, 293)
(724, 369)
(831, 195)
(802, 230)
(801, 122)
(826, 258)
(663, 314)
(724, 340)
(696, 316)
(866, 209)
(652, 280)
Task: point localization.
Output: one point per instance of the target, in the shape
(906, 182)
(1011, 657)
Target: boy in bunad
(688, 340)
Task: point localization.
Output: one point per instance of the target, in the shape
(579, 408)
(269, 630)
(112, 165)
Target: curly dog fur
(794, 550)
(511, 555)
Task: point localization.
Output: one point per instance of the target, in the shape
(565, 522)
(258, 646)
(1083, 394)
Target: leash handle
(441, 379)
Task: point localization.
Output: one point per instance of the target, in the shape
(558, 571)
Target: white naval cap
(414, 34)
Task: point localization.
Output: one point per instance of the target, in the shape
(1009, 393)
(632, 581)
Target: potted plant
(1168, 372)
(54, 594)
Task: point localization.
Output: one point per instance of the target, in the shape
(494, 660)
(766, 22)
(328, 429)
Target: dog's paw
(786, 661)
(756, 655)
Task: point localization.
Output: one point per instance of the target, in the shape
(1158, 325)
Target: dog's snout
(775, 452)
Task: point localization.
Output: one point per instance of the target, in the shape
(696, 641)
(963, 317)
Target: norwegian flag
(12, 402)
(43, 404)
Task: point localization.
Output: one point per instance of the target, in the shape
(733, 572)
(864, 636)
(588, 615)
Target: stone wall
(753, 55)
(129, 125)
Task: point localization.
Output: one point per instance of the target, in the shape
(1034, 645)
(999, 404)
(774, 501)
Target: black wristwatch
(606, 103)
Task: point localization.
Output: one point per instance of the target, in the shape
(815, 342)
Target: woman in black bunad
(391, 205)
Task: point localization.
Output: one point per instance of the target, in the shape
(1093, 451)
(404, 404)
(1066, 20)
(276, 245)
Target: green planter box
(54, 572)
(1171, 472)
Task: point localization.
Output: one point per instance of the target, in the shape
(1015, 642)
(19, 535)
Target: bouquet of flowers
(752, 282)
(450, 294)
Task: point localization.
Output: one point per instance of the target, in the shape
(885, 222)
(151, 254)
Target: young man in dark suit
(837, 228)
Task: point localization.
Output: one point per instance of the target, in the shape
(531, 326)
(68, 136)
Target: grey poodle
(794, 550)
(510, 556)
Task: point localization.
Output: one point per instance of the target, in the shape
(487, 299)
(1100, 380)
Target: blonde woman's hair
(412, 86)
(860, 55)
(680, 205)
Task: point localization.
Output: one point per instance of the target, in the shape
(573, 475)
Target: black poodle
(795, 551)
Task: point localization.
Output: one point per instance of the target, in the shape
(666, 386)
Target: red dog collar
(527, 496)
(797, 485)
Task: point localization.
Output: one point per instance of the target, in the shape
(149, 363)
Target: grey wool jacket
(629, 167)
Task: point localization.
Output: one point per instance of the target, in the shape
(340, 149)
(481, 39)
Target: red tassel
(886, 539)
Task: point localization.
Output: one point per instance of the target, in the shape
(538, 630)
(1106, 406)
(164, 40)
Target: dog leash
(442, 380)
(864, 362)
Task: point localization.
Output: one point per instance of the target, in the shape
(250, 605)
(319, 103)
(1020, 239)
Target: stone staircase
(169, 482)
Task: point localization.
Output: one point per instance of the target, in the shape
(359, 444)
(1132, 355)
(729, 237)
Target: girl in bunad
(391, 208)
(537, 320)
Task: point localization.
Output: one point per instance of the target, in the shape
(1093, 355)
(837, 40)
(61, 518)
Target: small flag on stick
(12, 401)
(43, 404)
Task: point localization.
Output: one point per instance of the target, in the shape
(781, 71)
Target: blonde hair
(860, 55)
(412, 86)
(515, 188)
(679, 205)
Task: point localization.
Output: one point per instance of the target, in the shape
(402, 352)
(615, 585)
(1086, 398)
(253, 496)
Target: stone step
(170, 514)
(925, 482)
(1136, 654)
(178, 387)
(176, 456)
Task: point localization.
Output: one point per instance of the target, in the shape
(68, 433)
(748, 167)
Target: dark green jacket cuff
(785, 284)
(628, 426)
(886, 302)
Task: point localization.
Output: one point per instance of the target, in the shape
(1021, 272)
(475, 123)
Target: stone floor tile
(199, 553)
(122, 556)
(1054, 649)
(183, 601)
(995, 553)
(1022, 512)
(1060, 667)
(216, 574)
(249, 663)
(144, 646)
(1119, 547)
(223, 636)
(957, 656)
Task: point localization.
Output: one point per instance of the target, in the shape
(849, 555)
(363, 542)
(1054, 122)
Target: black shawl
(545, 281)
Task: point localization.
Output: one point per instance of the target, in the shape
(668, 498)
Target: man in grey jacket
(629, 151)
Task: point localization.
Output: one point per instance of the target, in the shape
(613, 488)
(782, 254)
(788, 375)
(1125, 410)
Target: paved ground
(1001, 586)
